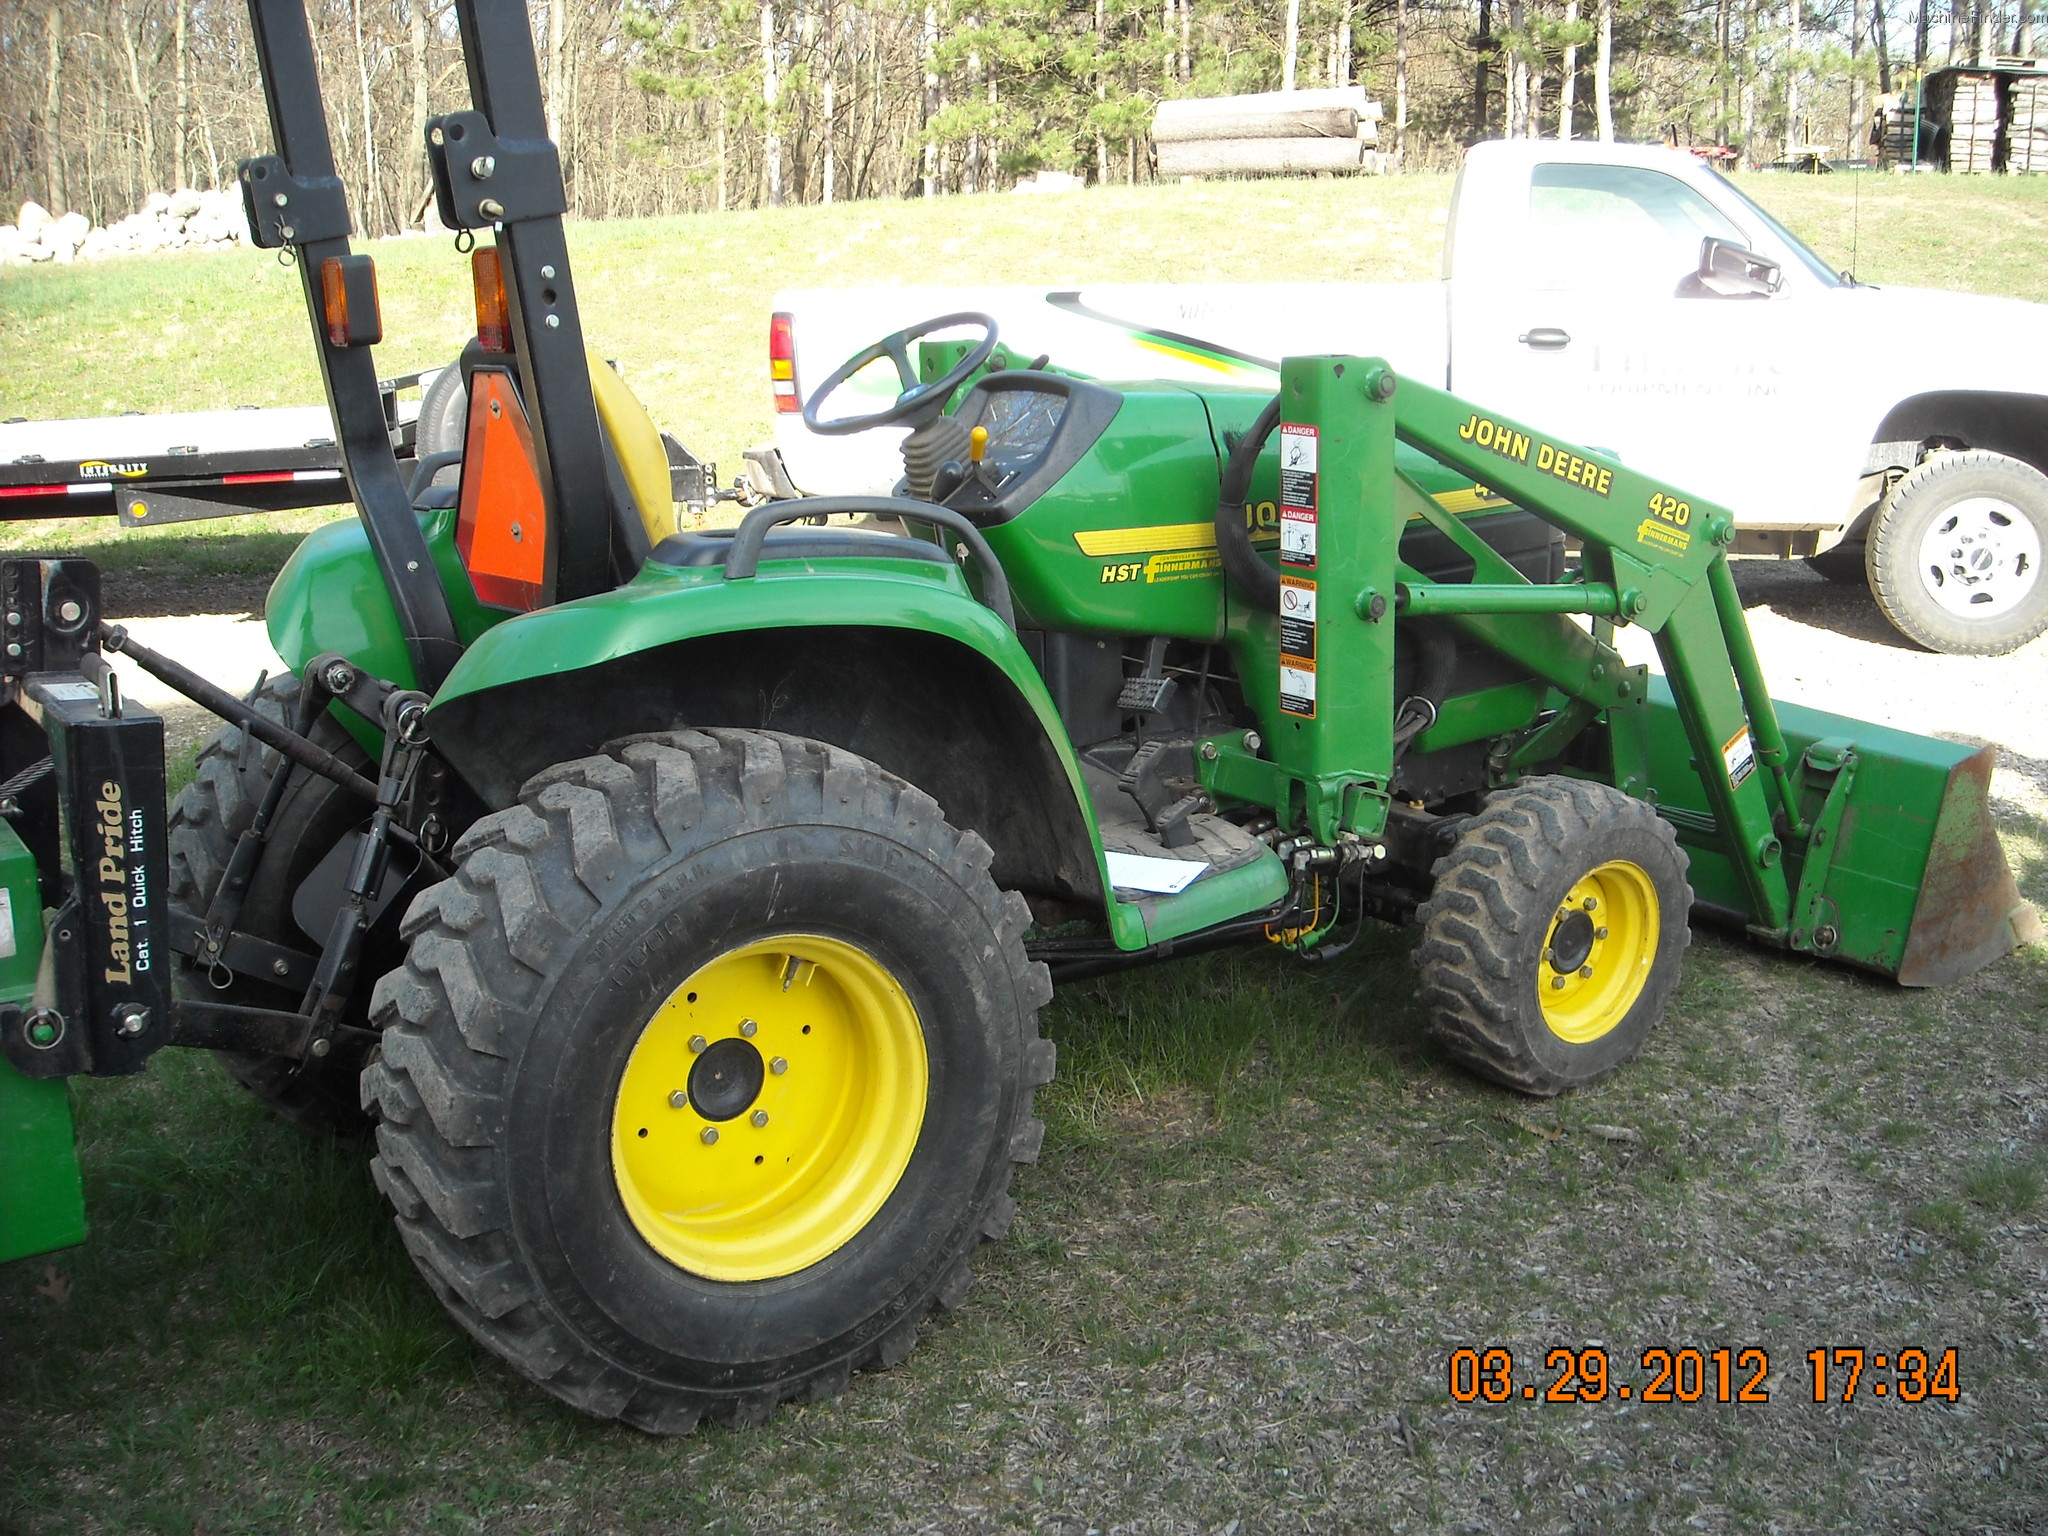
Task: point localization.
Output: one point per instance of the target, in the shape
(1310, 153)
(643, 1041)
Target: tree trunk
(1293, 48)
(1518, 71)
(53, 102)
(1400, 83)
(1723, 37)
(1855, 78)
(1792, 136)
(1750, 65)
(1603, 74)
(1568, 85)
(181, 157)
(1186, 24)
(416, 47)
(147, 118)
(1482, 65)
(931, 97)
(1920, 37)
(367, 217)
(1884, 51)
(831, 122)
(771, 132)
(1102, 94)
(1343, 70)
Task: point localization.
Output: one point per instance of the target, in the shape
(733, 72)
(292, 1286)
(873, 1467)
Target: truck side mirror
(1731, 270)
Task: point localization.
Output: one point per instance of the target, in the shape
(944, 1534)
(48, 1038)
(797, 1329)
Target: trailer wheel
(706, 1074)
(207, 818)
(1954, 556)
(1555, 934)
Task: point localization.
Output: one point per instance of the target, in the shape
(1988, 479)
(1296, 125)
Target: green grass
(1267, 1211)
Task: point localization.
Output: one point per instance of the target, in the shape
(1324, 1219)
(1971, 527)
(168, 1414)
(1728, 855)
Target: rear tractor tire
(1555, 934)
(706, 1074)
(208, 817)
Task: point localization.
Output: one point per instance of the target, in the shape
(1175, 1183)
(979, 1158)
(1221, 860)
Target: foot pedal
(1161, 779)
(1149, 692)
(1144, 695)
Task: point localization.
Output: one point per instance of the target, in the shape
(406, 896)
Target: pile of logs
(2027, 126)
(1287, 132)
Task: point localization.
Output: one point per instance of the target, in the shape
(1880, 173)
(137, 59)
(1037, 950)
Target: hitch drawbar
(102, 997)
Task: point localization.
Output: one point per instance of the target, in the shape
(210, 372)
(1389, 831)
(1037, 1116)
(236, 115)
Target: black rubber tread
(208, 816)
(1486, 922)
(533, 883)
(1891, 556)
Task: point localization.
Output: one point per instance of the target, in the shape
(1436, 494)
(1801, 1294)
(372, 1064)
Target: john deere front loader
(679, 904)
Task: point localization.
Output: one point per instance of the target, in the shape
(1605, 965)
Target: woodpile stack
(1973, 124)
(1275, 132)
(2027, 125)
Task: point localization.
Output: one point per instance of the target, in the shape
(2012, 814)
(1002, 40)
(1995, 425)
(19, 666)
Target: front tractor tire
(706, 1074)
(1954, 557)
(1555, 934)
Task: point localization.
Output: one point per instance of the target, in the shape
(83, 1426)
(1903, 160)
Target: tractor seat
(802, 542)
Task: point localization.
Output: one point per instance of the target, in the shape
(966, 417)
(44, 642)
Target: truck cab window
(1617, 224)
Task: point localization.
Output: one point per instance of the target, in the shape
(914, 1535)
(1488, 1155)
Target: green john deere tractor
(679, 904)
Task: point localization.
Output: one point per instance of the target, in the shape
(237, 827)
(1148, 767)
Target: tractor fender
(894, 661)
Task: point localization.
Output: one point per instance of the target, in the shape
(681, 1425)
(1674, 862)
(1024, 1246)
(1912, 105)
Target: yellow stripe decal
(1187, 357)
(1473, 500)
(1130, 541)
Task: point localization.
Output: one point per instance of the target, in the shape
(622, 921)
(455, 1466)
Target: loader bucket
(1909, 878)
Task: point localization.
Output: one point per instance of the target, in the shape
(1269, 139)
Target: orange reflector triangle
(501, 527)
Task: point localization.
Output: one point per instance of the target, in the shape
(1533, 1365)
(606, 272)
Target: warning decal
(1739, 756)
(1297, 495)
(1297, 619)
(1298, 687)
(1297, 466)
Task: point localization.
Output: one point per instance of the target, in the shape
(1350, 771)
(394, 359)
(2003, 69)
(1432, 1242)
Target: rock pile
(167, 221)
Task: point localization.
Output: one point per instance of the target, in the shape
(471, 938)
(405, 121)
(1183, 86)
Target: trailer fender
(898, 666)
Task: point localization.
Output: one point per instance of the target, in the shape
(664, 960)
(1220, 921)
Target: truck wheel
(706, 1073)
(208, 816)
(1955, 554)
(1555, 934)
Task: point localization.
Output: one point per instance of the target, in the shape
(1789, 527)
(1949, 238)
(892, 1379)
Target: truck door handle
(1546, 338)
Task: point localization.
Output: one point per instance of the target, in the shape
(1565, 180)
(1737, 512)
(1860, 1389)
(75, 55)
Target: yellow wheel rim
(1598, 953)
(769, 1108)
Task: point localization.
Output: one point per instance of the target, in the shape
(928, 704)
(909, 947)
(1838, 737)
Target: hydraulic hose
(1256, 579)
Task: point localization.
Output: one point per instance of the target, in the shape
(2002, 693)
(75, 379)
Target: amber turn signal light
(348, 296)
(493, 313)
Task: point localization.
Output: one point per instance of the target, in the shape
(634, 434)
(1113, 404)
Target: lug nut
(1585, 973)
(1557, 983)
(758, 1118)
(678, 1099)
(1599, 933)
(779, 1065)
(708, 1135)
(1592, 903)
(749, 1028)
(697, 1044)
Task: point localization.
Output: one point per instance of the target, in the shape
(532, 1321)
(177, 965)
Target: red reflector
(34, 490)
(782, 364)
(493, 313)
(501, 526)
(265, 477)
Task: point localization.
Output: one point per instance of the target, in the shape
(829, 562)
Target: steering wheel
(918, 400)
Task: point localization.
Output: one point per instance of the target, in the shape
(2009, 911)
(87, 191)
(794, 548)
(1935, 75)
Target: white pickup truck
(1628, 297)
